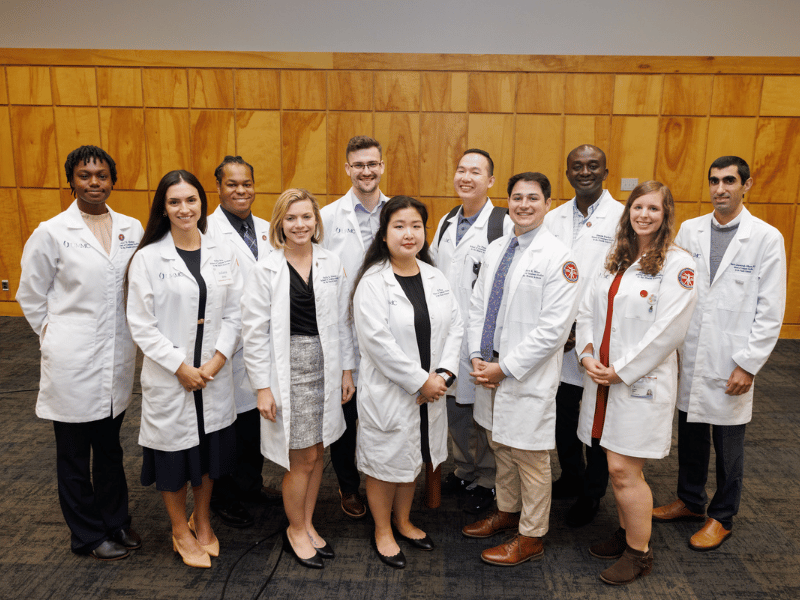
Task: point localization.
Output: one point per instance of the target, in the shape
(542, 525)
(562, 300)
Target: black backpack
(495, 223)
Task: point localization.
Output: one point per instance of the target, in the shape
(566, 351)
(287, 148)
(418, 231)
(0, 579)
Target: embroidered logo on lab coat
(686, 278)
(570, 271)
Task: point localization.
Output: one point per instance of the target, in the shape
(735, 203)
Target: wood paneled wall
(292, 114)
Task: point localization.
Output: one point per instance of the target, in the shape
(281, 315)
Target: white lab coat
(389, 442)
(221, 230)
(590, 249)
(266, 333)
(737, 321)
(71, 287)
(651, 315)
(163, 300)
(539, 312)
(342, 236)
(458, 263)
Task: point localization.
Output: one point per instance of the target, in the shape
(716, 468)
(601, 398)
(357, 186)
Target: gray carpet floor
(760, 561)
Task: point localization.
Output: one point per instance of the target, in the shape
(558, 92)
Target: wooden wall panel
(10, 242)
(683, 210)
(441, 148)
(793, 284)
(122, 135)
(258, 89)
(579, 130)
(75, 126)
(539, 146)
(135, 204)
(780, 96)
(33, 141)
(7, 177)
(119, 87)
(637, 94)
(686, 94)
(444, 92)
(29, 85)
(35, 206)
(3, 87)
(439, 207)
(633, 150)
(588, 93)
(168, 142)
(258, 141)
(399, 136)
(540, 93)
(303, 90)
(303, 143)
(730, 136)
(350, 90)
(165, 88)
(74, 86)
(776, 168)
(211, 88)
(495, 134)
(396, 90)
(780, 216)
(736, 95)
(681, 156)
(212, 138)
(492, 92)
(341, 127)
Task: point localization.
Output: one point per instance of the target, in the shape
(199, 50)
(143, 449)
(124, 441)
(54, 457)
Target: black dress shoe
(454, 485)
(326, 551)
(425, 543)
(565, 488)
(315, 562)
(110, 550)
(128, 538)
(398, 561)
(478, 500)
(232, 513)
(583, 511)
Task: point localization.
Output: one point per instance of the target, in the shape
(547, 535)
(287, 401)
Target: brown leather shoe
(517, 550)
(614, 547)
(675, 511)
(352, 505)
(631, 565)
(495, 523)
(710, 537)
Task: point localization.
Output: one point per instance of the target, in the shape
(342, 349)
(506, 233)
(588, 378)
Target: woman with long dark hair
(298, 350)
(629, 326)
(183, 312)
(409, 332)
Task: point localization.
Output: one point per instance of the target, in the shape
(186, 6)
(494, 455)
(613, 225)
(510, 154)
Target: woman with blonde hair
(629, 326)
(299, 355)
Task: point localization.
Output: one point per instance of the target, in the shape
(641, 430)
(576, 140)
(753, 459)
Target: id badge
(222, 274)
(645, 388)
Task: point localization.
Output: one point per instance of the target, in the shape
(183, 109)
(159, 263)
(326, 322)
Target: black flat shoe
(326, 551)
(315, 562)
(398, 561)
(425, 543)
(110, 550)
(128, 538)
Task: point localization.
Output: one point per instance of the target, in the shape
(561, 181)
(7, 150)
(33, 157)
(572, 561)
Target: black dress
(414, 291)
(215, 455)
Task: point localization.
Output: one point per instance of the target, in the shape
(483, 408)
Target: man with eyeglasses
(350, 224)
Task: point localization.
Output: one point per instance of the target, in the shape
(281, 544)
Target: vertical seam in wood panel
(191, 132)
(235, 120)
(97, 107)
(280, 126)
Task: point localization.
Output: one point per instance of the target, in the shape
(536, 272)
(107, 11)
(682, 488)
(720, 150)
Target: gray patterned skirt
(307, 391)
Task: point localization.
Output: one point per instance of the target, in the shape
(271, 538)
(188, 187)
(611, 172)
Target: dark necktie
(495, 300)
(250, 239)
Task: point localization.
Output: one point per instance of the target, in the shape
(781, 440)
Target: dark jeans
(94, 504)
(593, 478)
(343, 451)
(694, 452)
(246, 478)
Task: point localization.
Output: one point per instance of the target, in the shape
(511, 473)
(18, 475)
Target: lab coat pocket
(720, 361)
(642, 303)
(383, 405)
(737, 297)
(69, 343)
(524, 306)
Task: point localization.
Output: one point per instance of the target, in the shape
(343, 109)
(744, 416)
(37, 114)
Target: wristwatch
(448, 381)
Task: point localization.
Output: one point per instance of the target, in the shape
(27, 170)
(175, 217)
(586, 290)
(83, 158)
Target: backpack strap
(495, 228)
(446, 223)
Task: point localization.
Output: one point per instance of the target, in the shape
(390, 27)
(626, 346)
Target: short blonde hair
(285, 200)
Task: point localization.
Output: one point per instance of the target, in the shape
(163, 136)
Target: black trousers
(343, 451)
(95, 505)
(593, 478)
(246, 478)
(694, 452)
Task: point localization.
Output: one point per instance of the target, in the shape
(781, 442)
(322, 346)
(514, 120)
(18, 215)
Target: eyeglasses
(371, 166)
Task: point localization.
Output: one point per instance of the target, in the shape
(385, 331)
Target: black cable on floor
(245, 553)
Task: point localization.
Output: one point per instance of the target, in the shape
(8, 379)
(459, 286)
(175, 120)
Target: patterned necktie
(249, 239)
(495, 299)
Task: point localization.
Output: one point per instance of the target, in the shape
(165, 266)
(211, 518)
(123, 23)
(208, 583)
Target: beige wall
(291, 114)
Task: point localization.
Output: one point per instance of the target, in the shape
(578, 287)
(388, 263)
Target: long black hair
(378, 251)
